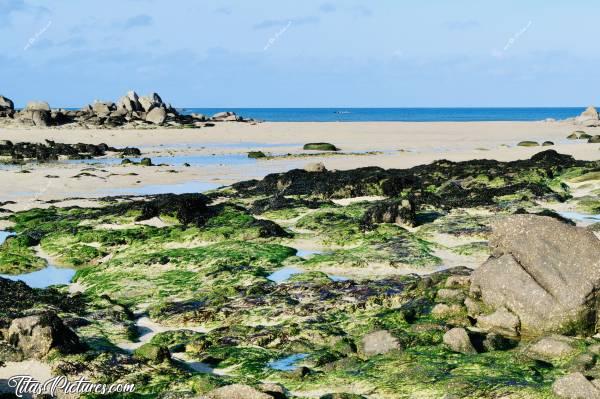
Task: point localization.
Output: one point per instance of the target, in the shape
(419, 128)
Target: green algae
(17, 256)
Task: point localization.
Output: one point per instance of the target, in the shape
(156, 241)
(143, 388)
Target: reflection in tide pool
(44, 278)
(178, 160)
(284, 274)
(580, 217)
(4, 235)
(287, 363)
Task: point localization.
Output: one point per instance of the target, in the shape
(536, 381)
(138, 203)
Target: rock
(155, 354)
(575, 386)
(458, 281)
(36, 335)
(589, 117)
(442, 310)
(594, 140)
(379, 342)
(224, 116)
(545, 271)
(37, 106)
(237, 391)
(528, 144)
(146, 162)
(501, 321)
(149, 102)
(41, 118)
(200, 117)
(547, 143)
(574, 135)
(584, 136)
(101, 108)
(552, 348)
(450, 295)
(320, 147)
(496, 342)
(473, 307)
(277, 391)
(317, 167)
(256, 154)
(457, 340)
(157, 116)
(6, 104)
(401, 211)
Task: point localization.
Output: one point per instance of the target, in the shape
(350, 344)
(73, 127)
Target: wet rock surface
(52, 151)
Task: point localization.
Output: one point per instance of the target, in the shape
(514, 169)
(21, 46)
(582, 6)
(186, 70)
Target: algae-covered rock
(153, 353)
(146, 162)
(36, 335)
(528, 144)
(320, 147)
(256, 154)
(547, 143)
(553, 348)
(594, 140)
(502, 322)
(545, 271)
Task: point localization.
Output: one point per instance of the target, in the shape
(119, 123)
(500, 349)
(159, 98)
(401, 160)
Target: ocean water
(395, 114)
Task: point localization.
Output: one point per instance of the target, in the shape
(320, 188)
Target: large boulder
(156, 116)
(589, 117)
(36, 335)
(102, 108)
(149, 102)
(37, 106)
(544, 271)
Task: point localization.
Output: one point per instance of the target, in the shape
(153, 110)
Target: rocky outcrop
(545, 272)
(51, 151)
(130, 111)
(7, 107)
(589, 118)
(35, 336)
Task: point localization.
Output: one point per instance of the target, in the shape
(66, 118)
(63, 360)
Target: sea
(395, 114)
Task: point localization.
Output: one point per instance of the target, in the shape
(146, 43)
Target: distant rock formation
(130, 111)
(588, 118)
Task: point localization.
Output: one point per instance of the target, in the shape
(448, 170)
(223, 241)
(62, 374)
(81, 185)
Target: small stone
(553, 348)
(379, 342)
(442, 310)
(458, 281)
(501, 321)
(237, 391)
(315, 167)
(457, 340)
(528, 144)
(450, 295)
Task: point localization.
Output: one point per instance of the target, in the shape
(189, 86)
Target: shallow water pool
(44, 278)
(287, 363)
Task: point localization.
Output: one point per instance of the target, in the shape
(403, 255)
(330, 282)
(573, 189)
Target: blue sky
(276, 53)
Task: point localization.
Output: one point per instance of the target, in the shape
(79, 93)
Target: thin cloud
(9, 7)
(137, 21)
(327, 8)
(224, 11)
(276, 23)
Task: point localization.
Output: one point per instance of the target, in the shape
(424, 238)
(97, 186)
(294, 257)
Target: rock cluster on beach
(52, 151)
(130, 111)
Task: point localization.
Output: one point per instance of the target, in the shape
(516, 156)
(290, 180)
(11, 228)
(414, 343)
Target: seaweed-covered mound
(442, 183)
(52, 151)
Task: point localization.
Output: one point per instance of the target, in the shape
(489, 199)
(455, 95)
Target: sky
(321, 53)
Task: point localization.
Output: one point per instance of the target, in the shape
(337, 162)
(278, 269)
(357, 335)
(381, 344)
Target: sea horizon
(414, 114)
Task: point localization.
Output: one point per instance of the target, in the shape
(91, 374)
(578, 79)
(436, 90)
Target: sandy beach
(383, 144)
